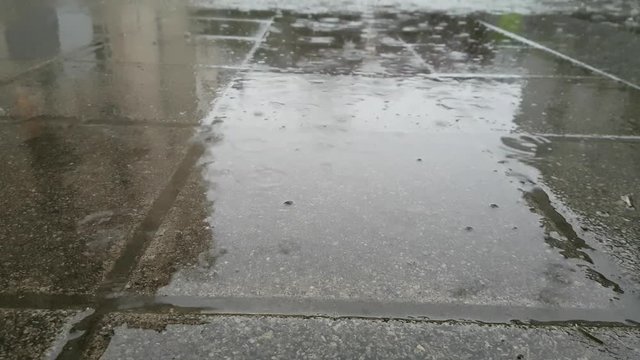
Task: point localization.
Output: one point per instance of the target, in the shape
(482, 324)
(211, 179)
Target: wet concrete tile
(596, 179)
(315, 44)
(337, 187)
(141, 337)
(498, 60)
(335, 44)
(460, 44)
(71, 197)
(106, 90)
(581, 106)
(367, 104)
(33, 334)
(399, 44)
(607, 42)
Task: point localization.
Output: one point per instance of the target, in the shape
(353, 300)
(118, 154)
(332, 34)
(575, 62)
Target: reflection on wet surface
(85, 91)
(382, 155)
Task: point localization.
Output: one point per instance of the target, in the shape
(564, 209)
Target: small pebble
(469, 228)
(288, 202)
(494, 206)
(419, 159)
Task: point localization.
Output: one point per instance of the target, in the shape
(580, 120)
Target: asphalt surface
(354, 179)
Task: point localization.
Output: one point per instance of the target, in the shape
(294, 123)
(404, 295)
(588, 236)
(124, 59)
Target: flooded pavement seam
(539, 46)
(408, 319)
(116, 279)
(44, 301)
(281, 306)
(88, 327)
(330, 308)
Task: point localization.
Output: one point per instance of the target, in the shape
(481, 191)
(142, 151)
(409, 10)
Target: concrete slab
(606, 41)
(238, 337)
(596, 179)
(71, 197)
(587, 107)
(384, 189)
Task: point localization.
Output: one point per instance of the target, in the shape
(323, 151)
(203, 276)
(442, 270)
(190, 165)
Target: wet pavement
(245, 179)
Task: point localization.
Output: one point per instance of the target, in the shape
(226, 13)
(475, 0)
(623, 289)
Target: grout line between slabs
(215, 106)
(557, 54)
